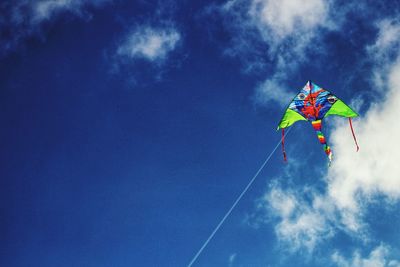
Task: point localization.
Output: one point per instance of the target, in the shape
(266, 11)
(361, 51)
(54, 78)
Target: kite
(313, 104)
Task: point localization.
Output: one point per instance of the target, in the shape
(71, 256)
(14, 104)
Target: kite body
(313, 104)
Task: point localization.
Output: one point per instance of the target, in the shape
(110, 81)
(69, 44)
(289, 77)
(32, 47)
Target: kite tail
(317, 125)
(283, 145)
(354, 136)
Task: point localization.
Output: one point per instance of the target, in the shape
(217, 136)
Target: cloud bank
(373, 171)
(307, 217)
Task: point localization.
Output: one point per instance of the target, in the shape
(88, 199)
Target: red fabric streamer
(354, 136)
(283, 145)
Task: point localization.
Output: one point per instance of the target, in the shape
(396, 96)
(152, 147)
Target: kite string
(235, 203)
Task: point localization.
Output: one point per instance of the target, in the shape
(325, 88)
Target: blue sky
(130, 127)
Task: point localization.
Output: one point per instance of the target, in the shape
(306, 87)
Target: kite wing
(313, 104)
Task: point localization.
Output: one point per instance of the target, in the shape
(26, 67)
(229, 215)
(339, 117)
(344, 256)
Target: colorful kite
(313, 104)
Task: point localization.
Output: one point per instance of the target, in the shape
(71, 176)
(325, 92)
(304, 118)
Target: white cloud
(389, 32)
(285, 31)
(149, 43)
(379, 257)
(301, 225)
(383, 50)
(44, 10)
(354, 179)
(277, 20)
(153, 45)
(273, 90)
(374, 170)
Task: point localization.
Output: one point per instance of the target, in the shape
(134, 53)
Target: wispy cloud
(152, 44)
(148, 43)
(22, 18)
(275, 35)
(301, 224)
(273, 90)
(231, 259)
(46, 9)
(382, 52)
(279, 21)
(378, 257)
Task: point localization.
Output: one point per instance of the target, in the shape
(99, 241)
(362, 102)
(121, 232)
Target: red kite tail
(354, 136)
